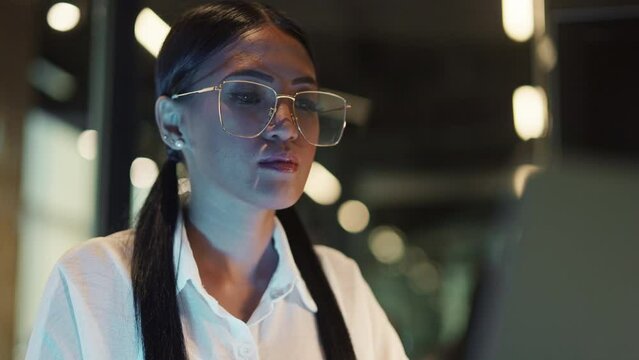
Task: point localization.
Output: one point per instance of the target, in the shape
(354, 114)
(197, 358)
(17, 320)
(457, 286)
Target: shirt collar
(285, 279)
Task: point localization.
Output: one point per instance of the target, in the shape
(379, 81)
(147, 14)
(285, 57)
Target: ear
(168, 117)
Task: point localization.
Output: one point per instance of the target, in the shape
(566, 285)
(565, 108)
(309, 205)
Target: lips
(286, 163)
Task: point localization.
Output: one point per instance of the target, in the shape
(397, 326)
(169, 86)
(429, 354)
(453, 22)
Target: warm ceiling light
(518, 19)
(530, 112)
(150, 31)
(63, 16)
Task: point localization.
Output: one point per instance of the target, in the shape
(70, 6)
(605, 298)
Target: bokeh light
(63, 16)
(322, 186)
(424, 277)
(52, 80)
(518, 19)
(530, 112)
(546, 53)
(353, 216)
(143, 172)
(150, 31)
(520, 177)
(88, 144)
(387, 244)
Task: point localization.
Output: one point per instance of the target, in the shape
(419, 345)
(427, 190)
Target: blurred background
(456, 105)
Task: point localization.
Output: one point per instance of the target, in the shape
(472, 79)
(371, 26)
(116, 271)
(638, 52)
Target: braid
(153, 271)
(334, 336)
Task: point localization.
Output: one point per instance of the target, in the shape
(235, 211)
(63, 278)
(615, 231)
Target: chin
(279, 201)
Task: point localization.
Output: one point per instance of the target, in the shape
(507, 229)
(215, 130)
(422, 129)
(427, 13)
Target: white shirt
(87, 308)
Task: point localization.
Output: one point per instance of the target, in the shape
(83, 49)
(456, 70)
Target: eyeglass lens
(246, 109)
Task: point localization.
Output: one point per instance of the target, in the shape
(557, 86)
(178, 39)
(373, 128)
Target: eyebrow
(304, 80)
(266, 77)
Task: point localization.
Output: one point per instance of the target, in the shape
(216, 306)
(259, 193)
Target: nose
(282, 126)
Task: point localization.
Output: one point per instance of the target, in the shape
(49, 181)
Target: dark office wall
(598, 75)
(16, 31)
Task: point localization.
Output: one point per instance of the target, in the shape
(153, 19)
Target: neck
(231, 240)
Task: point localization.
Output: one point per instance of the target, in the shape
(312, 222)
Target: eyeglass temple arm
(211, 88)
(345, 107)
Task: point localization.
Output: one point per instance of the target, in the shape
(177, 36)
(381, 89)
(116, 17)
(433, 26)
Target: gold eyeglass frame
(273, 109)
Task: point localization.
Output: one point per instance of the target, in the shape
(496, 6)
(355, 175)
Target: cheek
(209, 141)
(230, 156)
(211, 151)
(202, 125)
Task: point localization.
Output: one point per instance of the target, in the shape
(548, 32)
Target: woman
(220, 276)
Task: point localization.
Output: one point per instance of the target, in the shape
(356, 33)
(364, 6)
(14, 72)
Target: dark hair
(199, 33)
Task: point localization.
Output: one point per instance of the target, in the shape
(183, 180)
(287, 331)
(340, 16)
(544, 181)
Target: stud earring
(179, 144)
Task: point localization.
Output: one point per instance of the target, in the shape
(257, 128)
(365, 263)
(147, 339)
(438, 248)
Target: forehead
(267, 49)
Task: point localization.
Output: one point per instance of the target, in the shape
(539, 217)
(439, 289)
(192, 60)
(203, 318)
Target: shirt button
(244, 351)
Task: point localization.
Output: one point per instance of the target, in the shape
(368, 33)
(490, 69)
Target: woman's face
(268, 171)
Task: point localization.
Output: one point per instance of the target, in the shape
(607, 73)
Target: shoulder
(342, 272)
(366, 320)
(102, 257)
(335, 261)
(87, 304)
(116, 246)
(344, 277)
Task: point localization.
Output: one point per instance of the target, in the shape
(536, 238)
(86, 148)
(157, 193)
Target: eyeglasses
(246, 108)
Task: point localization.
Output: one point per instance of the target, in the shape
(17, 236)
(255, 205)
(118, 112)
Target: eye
(306, 104)
(243, 98)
